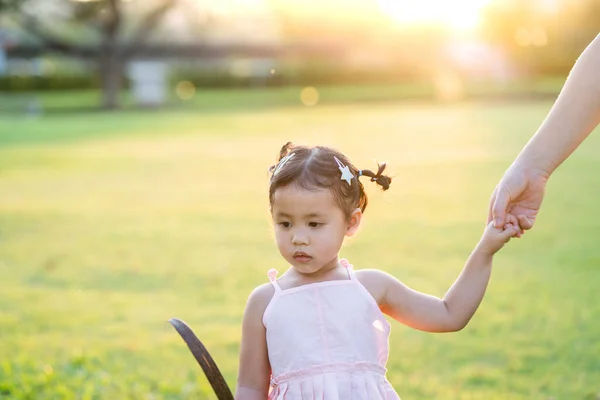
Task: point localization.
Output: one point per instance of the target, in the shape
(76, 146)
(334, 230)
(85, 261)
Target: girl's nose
(300, 238)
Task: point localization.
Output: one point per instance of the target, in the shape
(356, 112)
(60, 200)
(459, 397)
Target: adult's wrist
(531, 164)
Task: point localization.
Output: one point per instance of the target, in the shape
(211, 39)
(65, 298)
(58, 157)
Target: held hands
(494, 239)
(514, 206)
(518, 197)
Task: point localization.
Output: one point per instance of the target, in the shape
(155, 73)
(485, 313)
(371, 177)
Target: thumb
(499, 206)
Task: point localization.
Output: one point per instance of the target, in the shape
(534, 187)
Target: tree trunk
(111, 61)
(111, 78)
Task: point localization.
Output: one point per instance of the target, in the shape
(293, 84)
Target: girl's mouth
(302, 257)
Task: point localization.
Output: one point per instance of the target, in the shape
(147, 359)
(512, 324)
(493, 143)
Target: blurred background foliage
(92, 44)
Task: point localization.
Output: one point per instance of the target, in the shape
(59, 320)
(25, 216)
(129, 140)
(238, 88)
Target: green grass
(218, 100)
(112, 223)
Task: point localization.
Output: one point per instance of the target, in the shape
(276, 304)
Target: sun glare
(457, 14)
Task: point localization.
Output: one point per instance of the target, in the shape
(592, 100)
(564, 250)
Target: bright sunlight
(457, 14)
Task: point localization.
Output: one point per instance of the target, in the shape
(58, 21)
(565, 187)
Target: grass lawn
(112, 223)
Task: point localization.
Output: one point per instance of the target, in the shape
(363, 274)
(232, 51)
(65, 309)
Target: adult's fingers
(524, 222)
(499, 206)
(492, 200)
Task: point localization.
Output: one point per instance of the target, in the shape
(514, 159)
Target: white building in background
(149, 82)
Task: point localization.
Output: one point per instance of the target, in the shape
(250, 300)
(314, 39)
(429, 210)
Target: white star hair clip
(346, 174)
(282, 162)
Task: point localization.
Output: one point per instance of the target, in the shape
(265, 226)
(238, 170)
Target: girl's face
(310, 227)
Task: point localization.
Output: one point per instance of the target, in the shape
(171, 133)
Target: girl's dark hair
(315, 168)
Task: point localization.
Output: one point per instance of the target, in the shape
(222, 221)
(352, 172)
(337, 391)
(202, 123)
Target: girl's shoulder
(259, 299)
(375, 281)
(371, 276)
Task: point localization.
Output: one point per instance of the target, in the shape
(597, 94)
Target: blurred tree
(91, 29)
(542, 36)
(375, 46)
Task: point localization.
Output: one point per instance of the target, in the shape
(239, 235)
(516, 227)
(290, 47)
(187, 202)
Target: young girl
(318, 332)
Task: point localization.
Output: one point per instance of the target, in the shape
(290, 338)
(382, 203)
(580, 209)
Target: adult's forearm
(465, 295)
(572, 118)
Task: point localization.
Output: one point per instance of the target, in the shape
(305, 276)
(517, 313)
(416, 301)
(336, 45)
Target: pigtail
(382, 180)
(285, 150)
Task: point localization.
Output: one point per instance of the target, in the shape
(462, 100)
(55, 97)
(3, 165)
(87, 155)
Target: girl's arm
(453, 312)
(254, 368)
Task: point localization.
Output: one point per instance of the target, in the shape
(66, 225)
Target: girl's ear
(354, 222)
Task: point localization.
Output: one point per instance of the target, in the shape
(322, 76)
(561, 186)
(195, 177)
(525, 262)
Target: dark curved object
(214, 376)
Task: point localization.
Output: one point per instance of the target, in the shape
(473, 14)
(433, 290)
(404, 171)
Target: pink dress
(327, 341)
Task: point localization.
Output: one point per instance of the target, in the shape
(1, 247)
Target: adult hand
(518, 197)
(573, 116)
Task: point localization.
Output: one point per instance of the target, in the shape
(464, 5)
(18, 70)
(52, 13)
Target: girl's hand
(493, 238)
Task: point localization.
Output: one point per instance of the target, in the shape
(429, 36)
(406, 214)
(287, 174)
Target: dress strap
(272, 274)
(349, 268)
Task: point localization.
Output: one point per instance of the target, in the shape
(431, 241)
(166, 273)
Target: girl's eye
(285, 224)
(314, 224)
